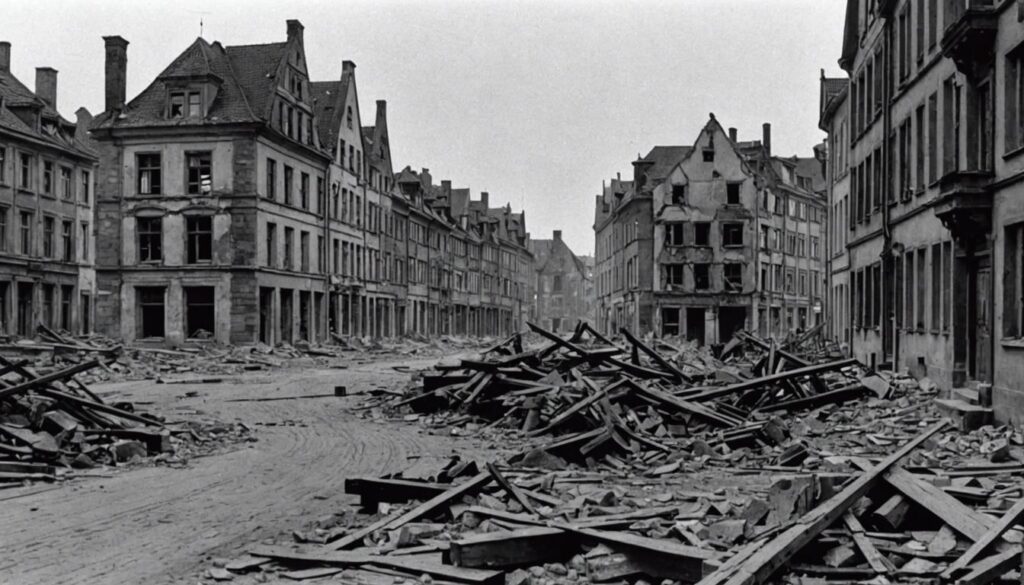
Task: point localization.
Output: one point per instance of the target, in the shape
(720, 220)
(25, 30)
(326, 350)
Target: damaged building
(47, 182)
(727, 237)
(563, 285)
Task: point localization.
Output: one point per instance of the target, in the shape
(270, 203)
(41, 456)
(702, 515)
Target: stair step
(966, 416)
(968, 395)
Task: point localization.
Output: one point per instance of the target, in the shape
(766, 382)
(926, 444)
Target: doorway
(695, 325)
(733, 319)
(266, 315)
(980, 334)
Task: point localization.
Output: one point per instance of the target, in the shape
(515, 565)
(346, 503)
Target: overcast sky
(535, 102)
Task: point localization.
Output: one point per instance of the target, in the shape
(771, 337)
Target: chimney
(446, 188)
(83, 119)
(382, 109)
(46, 85)
(295, 29)
(732, 134)
(425, 178)
(348, 67)
(557, 234)
(5, 56)
(116, 72)
(766, 137)
(484, 198)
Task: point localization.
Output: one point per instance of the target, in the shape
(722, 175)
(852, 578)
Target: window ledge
(1013, 153)
(1012, 343)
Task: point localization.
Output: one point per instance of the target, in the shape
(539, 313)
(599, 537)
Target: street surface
(164, 525)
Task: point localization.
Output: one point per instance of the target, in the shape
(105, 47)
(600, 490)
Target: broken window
(150, 230)
(304, 190)
(732, 193)
(674, 274)
(177, 105)
(678, 194)
(702, 233)
(200, 314)
(148, 167)
(669, 321)
(199, 236)
(765, 237)
(289, 175)
(67, 241)
(66, 293)
(674, 234)
(200, 173)
(150, 311)
(733, 277)
(732, 234)
(701, 276)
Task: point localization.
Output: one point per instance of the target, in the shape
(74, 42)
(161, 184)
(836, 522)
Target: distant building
(47, 183)
(563, 285)
(835, 120)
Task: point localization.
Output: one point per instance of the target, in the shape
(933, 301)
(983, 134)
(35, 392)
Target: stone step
(965, 416)
(968, 395)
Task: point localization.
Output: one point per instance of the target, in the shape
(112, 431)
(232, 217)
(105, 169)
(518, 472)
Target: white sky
(535, 102)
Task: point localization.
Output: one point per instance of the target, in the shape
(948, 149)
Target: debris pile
(52, 423)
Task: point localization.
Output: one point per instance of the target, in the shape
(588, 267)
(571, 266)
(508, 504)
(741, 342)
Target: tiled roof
(665, 158)
(255, 68)
(328, 98)
(15, 96)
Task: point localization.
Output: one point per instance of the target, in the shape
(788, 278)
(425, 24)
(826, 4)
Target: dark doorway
(304, 315)
(266, 315)
(85, 310)
(200, 315)
(150, 311)
(695, 325)
(730, 320)
(286, 315)
(981, 355)
(25, 292)
(332, 314)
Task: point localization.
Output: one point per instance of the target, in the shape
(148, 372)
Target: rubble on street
(632, 461)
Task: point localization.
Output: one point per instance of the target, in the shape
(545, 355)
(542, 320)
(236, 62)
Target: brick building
(563, 287)
(47, 182)
(935, 207)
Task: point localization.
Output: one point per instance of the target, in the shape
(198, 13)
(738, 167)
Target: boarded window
(200, 312)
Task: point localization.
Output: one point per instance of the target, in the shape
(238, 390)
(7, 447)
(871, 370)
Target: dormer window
(185, 104)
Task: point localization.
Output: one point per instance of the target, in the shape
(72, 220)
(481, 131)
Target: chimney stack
(115, 72)
(766, 137)
(46, 85)
(295, 29)
(83, 119)
(732, 134)
(557, 235)
(446, 188)
(5, 56)
(348, 67)
(484, 198)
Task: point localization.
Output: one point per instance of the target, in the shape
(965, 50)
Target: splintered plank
(413, 564)
(660, 558)
(778, 551)
(1004, 523)
(512, 490)
(425, 509)
(767, 382)
(516, 548)
(991, 568)
(875, 559)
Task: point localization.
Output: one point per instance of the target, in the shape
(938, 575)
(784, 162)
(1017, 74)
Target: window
(67, 241)
(65, 183)
(950, 125)
(194, 105)
(733, 273)
(933, 136)
(674, 274)
(678, 194)
(3, 165)
(66, 294)
(184, 103)
(49, 226)
(348, 117)
(701, 276)
(85, 241)
(732, 193)
(289, 247)
(674, 234)
(304, 190)
(790, 281)
(199, 238)
(321, 255)
(150, 311)
(200, 173)
(86, 186)
(200, 312)
(48, 292)
(25, 180)
(26, 233)
(3, 232)
(921, 289)
(669, 321)
(148, 166)
(803, 282)
(272, 245)
(304, 251)
(702, 233)
(709, 155)
(289, 176)
(47, 177)
(732, 234)
(271, 179)
(919, 151)
(936, 287)
(1014, 103)
(337, 257)
(947, 286)
(150, 231)
(321, 197)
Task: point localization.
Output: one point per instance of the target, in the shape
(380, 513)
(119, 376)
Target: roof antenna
(201, 13)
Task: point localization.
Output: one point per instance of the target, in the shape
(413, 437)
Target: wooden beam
(766, 382)
(1011, 517)
(665, 559)
(875, 559)
(512, 490)
(778, 551)
(51, 377)
(991, 568)
(517, 548)
(396, 491)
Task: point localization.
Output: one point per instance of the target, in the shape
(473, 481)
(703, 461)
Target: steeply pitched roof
(665, 158)
(255, 68)
(54, 130)
(326, 105)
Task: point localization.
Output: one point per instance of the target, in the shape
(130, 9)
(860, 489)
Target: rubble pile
(52, 424)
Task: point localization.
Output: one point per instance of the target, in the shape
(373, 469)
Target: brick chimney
(485, 199)
(425, 179)
(295, 29)
(348, 67)
(766, 137)
(116, 72)
(5, 56)
(46, 85)
(446, 188)
(557, 234)
(732, 134)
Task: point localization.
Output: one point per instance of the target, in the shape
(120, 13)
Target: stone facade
(563, 285)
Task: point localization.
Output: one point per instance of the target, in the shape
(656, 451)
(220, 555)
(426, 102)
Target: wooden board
(518, 548)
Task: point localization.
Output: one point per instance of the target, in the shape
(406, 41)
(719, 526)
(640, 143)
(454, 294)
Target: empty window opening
(199, 231)
(733, 277)
(702, 233)
(732, 193)
(732, 234)
(701, 276)
(200, 313)
(150, 310)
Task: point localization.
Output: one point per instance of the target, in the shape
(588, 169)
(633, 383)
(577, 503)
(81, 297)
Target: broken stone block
(127, 450)
(411, 534)
(840, 556)
(724, 531)
(790, 497)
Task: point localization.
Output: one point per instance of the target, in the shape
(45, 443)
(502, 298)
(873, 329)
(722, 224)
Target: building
(712, 238)
(211, 198)
(935, 204)
(563, 285)
(834, 120)
(47, 188)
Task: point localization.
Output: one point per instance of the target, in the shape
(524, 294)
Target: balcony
(964, 205)
(970, 34)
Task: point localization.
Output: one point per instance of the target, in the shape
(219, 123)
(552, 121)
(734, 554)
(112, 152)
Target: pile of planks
(614, 402)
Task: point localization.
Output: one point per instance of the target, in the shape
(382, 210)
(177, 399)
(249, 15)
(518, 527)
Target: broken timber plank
(1012, 516)
(875, 559)
(512, 490)
(658, 359)
(372, 490)
(765, 382)
(424, 509)
(666, 559)
(778, 551)
(51, 377)
(991, 568)
(517, 548)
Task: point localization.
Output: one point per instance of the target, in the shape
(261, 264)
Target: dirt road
(162, 525)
